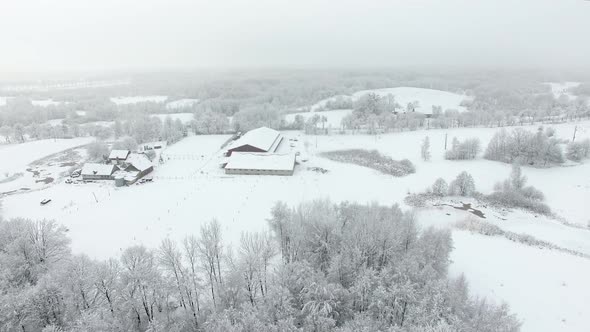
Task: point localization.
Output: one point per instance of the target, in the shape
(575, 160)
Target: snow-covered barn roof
(139, 161)
(261, 161)
(119, 154)
(262, 138)
(97, 169)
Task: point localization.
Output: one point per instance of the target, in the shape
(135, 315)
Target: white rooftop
(119, 154)
(97, 169)
(262, 138)
(261, 161)
(139, 161)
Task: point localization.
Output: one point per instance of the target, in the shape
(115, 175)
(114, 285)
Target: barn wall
(259, 172)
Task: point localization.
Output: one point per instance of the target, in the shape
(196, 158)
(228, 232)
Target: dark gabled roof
(262, 138)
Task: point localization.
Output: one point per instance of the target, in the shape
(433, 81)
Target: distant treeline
(252, 99)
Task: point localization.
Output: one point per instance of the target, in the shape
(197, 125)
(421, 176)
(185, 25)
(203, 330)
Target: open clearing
(426, 98)
(189, 189)
(138, 99)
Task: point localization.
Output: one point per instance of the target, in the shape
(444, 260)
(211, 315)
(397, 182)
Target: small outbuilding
(152, 146)
(255, 163)
(93, 171)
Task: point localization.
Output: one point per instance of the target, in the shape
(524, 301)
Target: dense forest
(323, 267)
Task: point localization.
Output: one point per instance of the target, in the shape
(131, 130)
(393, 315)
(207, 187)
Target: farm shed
(117, 156)
(262, 139)
(152, 146)
(93, 171)
(137, 165)
(256, 163)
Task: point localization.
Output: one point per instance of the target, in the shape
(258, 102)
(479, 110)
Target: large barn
(262, 139)
(257, 163)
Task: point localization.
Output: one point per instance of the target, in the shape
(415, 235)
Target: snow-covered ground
(547, 289)
(190, 189)
(562, 88)
(15, 159)
(45, 102)
(3, 100)
(426, 98)
(181, 103)
(138, 99)
(55, 122)
(184, 117)
(73, 85)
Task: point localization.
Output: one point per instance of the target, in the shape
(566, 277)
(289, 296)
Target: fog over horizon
(83, 35)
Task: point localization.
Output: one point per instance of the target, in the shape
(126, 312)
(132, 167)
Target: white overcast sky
(47, 35)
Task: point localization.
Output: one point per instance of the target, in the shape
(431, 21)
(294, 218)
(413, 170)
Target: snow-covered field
(15, 159)
(426, 98)
(181, 103)
(3, 100)
(184, 117)
(73, 85)
(546, 288)
(46, 102)
(138, 99)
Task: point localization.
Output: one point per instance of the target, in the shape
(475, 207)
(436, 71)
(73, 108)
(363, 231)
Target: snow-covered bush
(440, 187)
(512, 192)
(519, 145)
(372, 159)
(518, 200)
(465, 150)
(463, 185)
(577, 151)
(479, 226)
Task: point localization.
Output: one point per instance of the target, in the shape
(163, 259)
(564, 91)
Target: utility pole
(575, 131)
(446, 141)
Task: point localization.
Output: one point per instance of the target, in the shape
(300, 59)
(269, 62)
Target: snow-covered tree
(463, 185)
(97, 151)
(425, 149)
(468, 149)
(440, 187)
(578, 150)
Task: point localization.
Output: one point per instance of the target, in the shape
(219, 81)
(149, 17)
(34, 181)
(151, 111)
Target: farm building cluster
(258, 152)
(123, 166)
